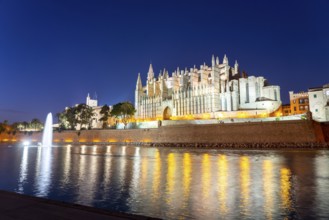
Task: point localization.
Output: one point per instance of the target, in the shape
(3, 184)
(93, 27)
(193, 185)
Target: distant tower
(91, 102)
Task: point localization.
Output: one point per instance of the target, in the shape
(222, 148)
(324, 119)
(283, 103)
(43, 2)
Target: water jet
(47, 137)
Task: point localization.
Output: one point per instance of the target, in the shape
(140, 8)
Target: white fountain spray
(47, 138)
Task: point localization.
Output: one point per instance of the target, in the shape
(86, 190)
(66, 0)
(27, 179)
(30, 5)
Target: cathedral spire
(139, 85)
(213, 60)
(225, 60)
(150, 74)
(165, 74)
(236, 67)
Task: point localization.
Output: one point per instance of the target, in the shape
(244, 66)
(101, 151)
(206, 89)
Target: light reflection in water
(122, 167)
(222, 183)
(23, 170)
(245, 184)
(136, 168)
(187, 169)
(43, 170)
(175, 184)
(108, 149)
(268, 187)
(171, 178)
(286, 189)
(123, 150)
(322, 181)
(206, 174)
(144, 171)
(88, 175)
(67, 164)
(107, 170)
(156, 176)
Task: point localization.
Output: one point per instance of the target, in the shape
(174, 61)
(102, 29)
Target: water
(174, 183)
(47, 137)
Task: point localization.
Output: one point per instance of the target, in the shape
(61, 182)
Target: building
(319, 103)
(299, 103)
(286, 110)
(207, 92)
(96, 123)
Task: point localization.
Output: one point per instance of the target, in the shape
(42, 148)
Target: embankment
(296, 132)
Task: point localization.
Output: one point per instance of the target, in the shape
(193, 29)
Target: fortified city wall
(302, 131)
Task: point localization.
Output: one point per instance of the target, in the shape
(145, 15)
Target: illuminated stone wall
(262, 132)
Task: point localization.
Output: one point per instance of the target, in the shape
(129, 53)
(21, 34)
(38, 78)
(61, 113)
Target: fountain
(47, 138)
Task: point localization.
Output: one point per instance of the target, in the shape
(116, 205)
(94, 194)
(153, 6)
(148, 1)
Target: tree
(2, 128)
(25, 125)
(72, 116)
(67, 119)
(105, 112)
(84, 115)
(124, 111)
(36, 124)
(16, 126)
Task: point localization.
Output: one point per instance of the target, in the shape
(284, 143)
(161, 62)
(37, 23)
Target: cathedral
(207, 92)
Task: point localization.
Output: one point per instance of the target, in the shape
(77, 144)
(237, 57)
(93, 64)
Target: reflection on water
(268, 187)
(222, 183)
(245, 184)
(286, 187)
(23, 170)
(43, 170)
(174, 183)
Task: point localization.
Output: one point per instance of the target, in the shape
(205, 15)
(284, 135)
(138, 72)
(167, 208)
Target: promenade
(17, 206)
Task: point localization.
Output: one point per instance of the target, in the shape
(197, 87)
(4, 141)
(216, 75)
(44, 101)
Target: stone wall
(325, 129)
(261, 132)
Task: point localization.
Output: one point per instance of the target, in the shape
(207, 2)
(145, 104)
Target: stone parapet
(295, 132)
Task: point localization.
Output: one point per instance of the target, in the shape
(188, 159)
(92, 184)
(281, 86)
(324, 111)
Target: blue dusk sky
(54, 52)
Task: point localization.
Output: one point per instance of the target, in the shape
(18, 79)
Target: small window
(314, 95)
(301, 107)
(294, 101)
(295, 109)
(306, 107)
(316, 110)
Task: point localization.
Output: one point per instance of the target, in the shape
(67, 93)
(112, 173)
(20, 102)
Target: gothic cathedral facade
(210, 90)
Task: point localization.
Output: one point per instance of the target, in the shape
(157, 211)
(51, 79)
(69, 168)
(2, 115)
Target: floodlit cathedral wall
(203, 92)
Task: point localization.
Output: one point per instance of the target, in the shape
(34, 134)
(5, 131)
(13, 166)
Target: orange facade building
(299, 103)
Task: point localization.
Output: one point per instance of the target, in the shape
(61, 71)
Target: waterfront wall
(301, 131)
(325, 129)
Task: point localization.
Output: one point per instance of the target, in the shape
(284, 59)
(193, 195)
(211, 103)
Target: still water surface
(173, 183)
